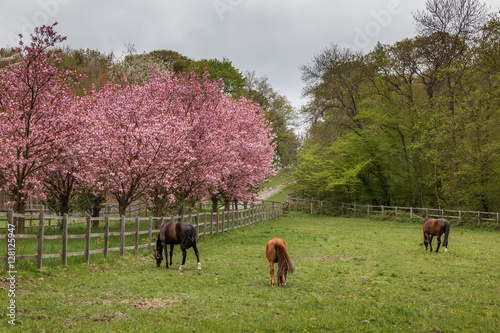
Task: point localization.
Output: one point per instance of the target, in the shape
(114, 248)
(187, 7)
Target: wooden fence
(205, 224)
(355, 210)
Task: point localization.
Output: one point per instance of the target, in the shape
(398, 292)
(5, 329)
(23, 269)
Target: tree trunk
(159, 205)
(20, 208)
(122, 208)
(227, 208)
(215, 204)
(97, 201)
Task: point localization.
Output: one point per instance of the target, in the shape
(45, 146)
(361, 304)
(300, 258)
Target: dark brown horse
(173, 233)
(436, 227)
(276, 253)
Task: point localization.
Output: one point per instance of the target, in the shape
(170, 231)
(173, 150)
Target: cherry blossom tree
(136, 141)
(197, 101)
(35, 113)
(248, 154)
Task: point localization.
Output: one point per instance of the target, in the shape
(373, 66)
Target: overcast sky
(271, 37)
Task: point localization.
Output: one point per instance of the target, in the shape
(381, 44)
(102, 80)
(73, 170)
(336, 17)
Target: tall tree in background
(234, 81)
(446, 30)
(93, 63)
(172, 59)
(280, 113)
(409, 123)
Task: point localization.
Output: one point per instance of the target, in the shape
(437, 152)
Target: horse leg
(430, 242)
(184, 252)
(439, 242)
(165, 248)
(171, 252)
(271, 265)
(426, 241)
(280, 278)
(197, 255)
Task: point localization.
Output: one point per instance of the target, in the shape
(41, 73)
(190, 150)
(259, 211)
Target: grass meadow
(352, 275)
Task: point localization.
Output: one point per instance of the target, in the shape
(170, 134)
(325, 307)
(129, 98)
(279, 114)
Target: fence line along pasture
(205, 224)
(356, 210)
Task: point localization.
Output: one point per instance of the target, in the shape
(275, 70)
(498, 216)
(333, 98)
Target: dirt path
(266, 194)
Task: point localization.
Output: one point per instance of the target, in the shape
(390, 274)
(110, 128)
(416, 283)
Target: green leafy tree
(234, 81)
(280, 113)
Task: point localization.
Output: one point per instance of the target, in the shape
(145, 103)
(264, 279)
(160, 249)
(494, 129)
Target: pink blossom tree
(136, 142)
(248, 154)
(35, 113)
(197, 101)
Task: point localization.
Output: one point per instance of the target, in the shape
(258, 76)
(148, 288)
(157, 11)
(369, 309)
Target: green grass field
(352, 275)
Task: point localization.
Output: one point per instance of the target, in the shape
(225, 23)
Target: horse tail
(446, 233)
(284, 262)
(191, 237)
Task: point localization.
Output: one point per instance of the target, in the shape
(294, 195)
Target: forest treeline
(413, 123)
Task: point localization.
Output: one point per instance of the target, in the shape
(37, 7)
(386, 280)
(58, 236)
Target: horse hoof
(445, 250)
(199, 266)
(180, 268)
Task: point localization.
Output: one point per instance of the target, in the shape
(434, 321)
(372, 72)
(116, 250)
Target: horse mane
(159, 247)
(284, 262)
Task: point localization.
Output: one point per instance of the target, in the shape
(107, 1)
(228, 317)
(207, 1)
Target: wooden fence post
(197, 221)
(217, 221)
(65, 240)
(106, 236)
(41, 223)
(137, 233)
(211, 222)
(87, 241)
(204, 223)
(122, 235)
(411, 213)
(150, 233)
(368, 211)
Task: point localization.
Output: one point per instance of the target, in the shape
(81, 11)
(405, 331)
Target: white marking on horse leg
(199, 266)
(180, 268)
(445, 250)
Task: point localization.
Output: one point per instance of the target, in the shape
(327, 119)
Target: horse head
(158, 257)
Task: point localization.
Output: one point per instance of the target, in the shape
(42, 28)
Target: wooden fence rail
(204, 223)
(320, 206)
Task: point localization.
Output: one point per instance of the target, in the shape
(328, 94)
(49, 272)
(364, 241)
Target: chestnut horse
(173, 233)
(276, 253)
(436, 227)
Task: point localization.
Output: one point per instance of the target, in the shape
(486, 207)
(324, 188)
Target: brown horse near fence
(436, 227)
(276, 253)
(173, 233)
